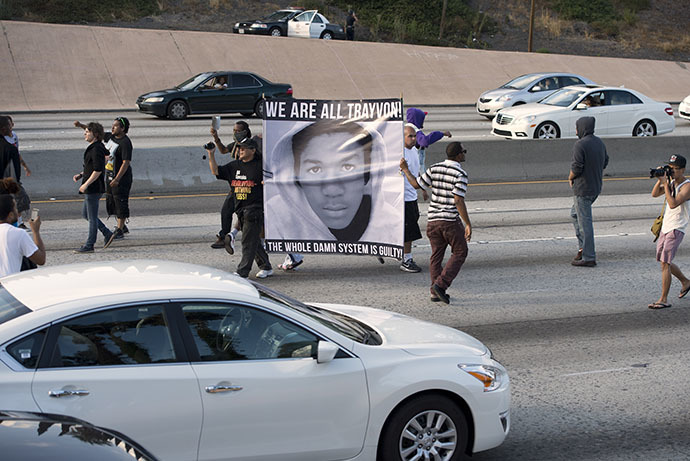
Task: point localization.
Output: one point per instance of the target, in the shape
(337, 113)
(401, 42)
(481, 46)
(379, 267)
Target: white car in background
(617, 111)
(312, 24)
(198, 364)
(525, 89)
(684, 108)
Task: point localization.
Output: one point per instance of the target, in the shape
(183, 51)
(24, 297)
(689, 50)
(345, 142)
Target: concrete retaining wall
(51, 67)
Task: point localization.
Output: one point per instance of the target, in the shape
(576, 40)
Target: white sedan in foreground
(684, 108)
(195, 363)
(618, 112)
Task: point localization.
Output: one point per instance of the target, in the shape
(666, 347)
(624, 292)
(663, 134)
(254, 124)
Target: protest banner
(332, 182)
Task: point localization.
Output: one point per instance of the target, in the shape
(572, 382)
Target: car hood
(415, 336)
(497, 93)
(534, 108)
(159, 93)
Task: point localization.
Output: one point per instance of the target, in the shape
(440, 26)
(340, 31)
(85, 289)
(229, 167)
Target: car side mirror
(581, 106)
(326, 351)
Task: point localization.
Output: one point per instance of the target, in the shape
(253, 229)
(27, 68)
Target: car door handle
(66, 393)
(222, 388)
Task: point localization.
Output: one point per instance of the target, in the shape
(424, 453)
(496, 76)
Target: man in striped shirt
(447, 182)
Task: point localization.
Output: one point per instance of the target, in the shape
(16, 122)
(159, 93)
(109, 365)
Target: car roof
(44, 287)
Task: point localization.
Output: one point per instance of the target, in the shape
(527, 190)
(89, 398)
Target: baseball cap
(247, 142)
(677, 160)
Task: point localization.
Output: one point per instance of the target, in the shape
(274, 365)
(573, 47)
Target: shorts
(667, 245)
(412, 231)
(121, 197)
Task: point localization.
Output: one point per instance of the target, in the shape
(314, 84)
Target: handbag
(656, 226)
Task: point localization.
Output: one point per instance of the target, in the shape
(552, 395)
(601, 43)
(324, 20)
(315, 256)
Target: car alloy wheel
(644, 128)
(546, 130)
(177, 110)
(259, 109)
(327, 36)
(430, 427)
(276, 32)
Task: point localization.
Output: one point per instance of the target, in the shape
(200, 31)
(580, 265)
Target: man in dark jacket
(586, 172)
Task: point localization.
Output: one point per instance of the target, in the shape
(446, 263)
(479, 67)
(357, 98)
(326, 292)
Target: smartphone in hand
(34, 214)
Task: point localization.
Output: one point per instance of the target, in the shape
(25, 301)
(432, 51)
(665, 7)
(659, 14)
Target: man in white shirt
(16, 243)
(411, 232)
(675, 187)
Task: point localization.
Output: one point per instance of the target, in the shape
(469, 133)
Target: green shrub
(633, 5)
(543, 50)
(586, 10)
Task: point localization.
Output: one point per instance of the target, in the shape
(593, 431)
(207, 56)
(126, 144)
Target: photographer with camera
(671, 183)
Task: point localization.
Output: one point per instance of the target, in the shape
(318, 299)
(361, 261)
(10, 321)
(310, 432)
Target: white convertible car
(618, 112)
(197, 364)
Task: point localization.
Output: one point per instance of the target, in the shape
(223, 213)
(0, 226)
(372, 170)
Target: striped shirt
(445, 180)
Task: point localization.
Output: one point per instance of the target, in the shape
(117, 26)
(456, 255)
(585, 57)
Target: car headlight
(528, 119)
(505, 97)
(259, 26)
(492, 377)
(154, 99)
(237, 24)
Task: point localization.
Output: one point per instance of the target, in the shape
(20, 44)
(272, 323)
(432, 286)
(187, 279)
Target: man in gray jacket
(586, 172)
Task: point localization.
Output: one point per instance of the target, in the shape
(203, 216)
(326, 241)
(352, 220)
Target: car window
(562, 98)
(568, 80)
(304, 17)
(547, 84)
(317, 19)
(596, 99)
(27, 350)
(620, 97)
(277, 16)
(521, 82)
(124, 336)
(243, 81)
(192, 82)
(230, 332)
(10, 307)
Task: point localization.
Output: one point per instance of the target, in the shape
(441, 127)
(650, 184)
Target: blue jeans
(90, 213)
(422, 156)
(581, 214)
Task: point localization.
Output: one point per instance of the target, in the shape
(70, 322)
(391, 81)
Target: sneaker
(114, 236)
(440, 293)
(229, 243)
(410, 266)
(584, 263)
(84, 249)
(263, 273)
(578, 256)
(125, 230)
(106, 239)
(219, 243)
(289, 263)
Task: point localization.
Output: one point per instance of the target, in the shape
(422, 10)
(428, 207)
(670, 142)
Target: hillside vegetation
(652, 29)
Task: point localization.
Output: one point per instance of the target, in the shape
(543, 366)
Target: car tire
(259, 108)
(246, 114)
(177, 110)
(644, 128)
(275, 32)
(547, 130)
(327, 35)
(427, 411)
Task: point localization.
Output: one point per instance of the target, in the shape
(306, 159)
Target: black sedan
(214, 93)
(39, 436)
(274, 24)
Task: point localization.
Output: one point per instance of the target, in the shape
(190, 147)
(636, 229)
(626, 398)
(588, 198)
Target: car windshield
(277, 16)
(10, 307)
(193, 82)
(521, 82)
(343, 324)
(563, 98)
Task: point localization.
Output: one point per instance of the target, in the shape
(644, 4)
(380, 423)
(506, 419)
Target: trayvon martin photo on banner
(332, 181)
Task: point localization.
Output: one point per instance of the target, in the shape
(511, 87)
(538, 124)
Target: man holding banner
(332, 184)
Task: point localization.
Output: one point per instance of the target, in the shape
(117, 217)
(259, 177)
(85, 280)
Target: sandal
(683, 292)
(658, 305)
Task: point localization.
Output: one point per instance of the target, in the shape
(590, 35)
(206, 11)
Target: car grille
(484, 100)
(503, 133)
(503, 119)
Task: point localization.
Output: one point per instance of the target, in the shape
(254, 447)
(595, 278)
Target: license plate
(241, 31)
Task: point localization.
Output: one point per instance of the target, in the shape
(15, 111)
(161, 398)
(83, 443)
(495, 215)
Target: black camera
(209, 145)
(660, 172)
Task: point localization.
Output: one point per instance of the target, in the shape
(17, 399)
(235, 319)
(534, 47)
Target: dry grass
(552, 24)
(678, 44)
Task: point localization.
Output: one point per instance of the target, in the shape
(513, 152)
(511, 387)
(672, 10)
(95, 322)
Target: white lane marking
(544, 239)
(597, 371)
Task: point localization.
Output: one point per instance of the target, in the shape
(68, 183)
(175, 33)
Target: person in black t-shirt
(118, 174)
(92, 184)
(350, 25)
(245, 175)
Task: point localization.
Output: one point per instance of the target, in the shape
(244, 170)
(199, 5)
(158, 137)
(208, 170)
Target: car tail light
(289, 91)
(669, 111)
